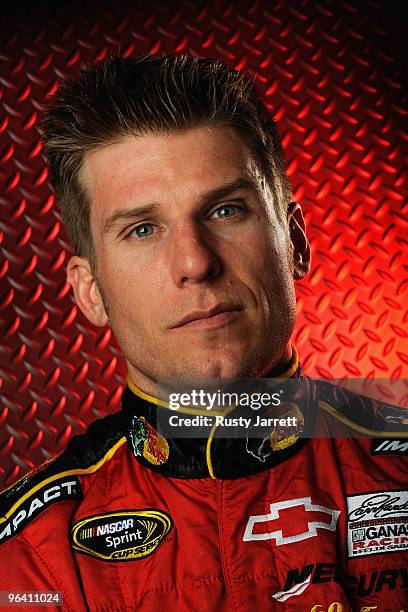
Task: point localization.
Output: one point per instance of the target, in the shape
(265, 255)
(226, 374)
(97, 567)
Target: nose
(193, 258)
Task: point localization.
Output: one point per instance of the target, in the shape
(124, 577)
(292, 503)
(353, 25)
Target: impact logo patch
(377, 523)
(24, 511)
(121, 536)
(393, 446)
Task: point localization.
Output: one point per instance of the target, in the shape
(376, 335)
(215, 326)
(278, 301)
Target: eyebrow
(225, 190)
(128, 213)
(210, 196)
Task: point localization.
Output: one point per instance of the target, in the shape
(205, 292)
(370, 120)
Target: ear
(300, 244)
(86, 291)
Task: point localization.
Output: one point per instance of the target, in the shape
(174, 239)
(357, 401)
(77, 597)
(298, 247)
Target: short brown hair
(138, 95)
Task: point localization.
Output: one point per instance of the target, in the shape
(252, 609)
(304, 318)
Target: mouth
(211, 319)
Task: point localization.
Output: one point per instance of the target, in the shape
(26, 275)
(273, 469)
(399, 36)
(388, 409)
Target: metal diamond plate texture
(331, 74)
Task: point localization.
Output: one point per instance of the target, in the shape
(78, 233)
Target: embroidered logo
(377, 522)
(147, 442)
(374, 581)
(314, 517)
(121, 536)
(267, 441)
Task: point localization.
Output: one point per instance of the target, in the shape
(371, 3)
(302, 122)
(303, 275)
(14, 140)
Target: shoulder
(57, 480)
(362, 414)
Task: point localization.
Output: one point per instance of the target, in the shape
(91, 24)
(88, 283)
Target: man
(171, 178)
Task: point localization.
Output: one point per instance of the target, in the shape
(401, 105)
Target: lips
(203, 315)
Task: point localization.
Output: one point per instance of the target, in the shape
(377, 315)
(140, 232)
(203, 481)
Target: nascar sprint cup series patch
(122, 535)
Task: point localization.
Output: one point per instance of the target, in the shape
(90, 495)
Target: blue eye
(226, 211)
(143, 230)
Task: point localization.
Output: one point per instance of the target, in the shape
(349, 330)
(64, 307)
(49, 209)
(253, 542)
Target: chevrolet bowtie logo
(277, 534)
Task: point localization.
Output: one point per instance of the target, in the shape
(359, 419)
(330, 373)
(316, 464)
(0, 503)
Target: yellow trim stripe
(360, 428)
(74, 472)
(208, 451)
(294, 365)
(210, 439)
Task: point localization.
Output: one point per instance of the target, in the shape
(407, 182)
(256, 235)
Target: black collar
(211, 455)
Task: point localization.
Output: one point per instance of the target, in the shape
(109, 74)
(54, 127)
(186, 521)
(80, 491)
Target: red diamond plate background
(332, 77)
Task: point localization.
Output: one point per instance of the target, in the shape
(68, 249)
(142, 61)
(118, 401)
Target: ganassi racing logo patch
(292, 520)
(121, 536)
(377, 522)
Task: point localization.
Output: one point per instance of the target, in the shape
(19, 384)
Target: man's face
(195, 268)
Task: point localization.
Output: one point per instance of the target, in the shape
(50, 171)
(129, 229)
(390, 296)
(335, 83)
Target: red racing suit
(128, 519)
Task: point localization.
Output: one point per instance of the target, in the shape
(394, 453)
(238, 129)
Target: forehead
(164, 168)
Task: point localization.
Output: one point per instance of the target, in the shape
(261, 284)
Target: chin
(217, 367)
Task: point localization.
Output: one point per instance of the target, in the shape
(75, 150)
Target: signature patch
(121, 536)
(377, 523)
